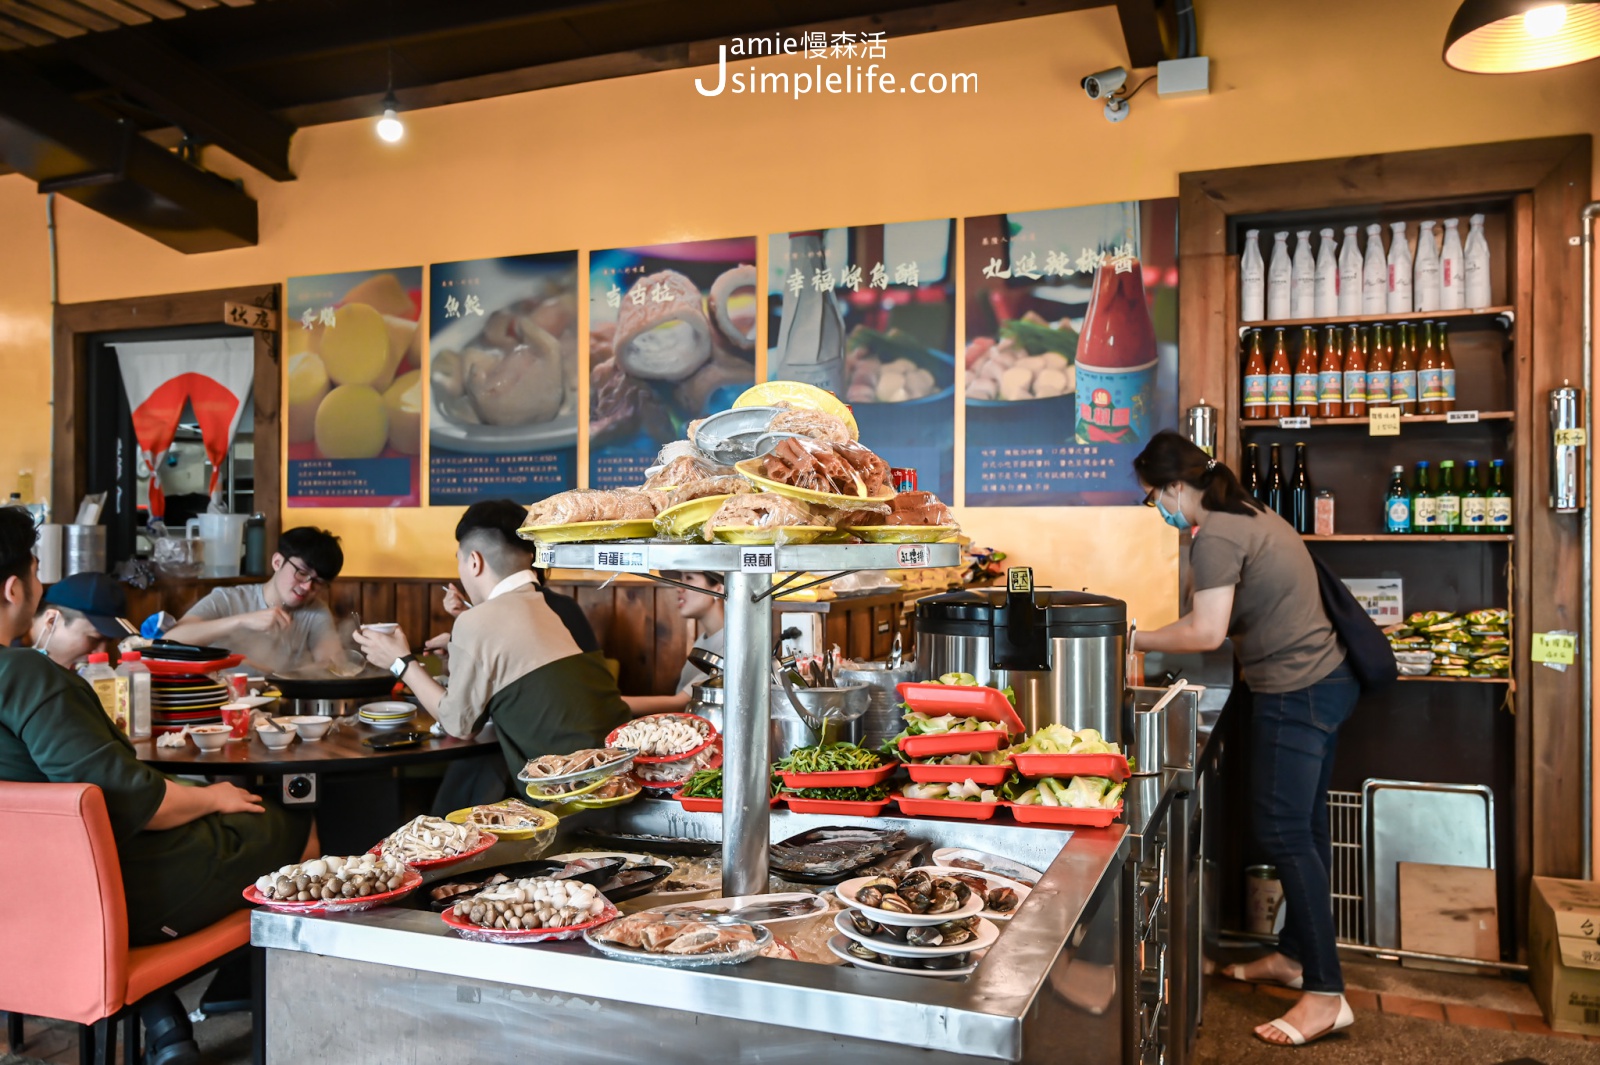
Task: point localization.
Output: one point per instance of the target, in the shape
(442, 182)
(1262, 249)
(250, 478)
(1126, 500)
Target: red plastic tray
(1114, 766)
(841, 807)
(958, 774)
(985, 704)
(969, 811)
(660, 759)
(489, 839)
(1064, 815)
(953, 743)
(841, 778)
(706, 806)
(191, 669)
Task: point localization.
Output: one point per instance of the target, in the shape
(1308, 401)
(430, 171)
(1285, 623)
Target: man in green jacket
(186, 852)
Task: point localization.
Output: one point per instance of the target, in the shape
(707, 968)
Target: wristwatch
(399, 666)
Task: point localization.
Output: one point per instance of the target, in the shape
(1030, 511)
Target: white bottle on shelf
(1399, 290)
(1476, 266)
(1452, 272)
(1425, 294)
(1278, 276)
(1327, 277)
(1374, 274)
(1350, 272)
(1303, 278)
(1252, 279)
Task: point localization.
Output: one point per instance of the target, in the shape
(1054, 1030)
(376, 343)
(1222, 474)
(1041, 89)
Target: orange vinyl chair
(72, 962)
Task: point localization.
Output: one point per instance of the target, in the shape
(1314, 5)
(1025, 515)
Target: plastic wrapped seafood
(762, 510)
(841, 469)
(591, 504)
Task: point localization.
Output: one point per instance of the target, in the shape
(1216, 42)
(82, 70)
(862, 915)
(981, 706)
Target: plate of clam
(1001, 896)
(943, 967)
(919, 897)
(957, 936)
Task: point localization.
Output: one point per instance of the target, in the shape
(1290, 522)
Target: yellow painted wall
(646, 159)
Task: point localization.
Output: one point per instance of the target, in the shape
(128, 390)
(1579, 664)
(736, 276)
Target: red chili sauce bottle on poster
(1116, 367)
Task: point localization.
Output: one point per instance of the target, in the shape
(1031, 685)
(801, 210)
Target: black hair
(490, 528)
(17, 536)
(317, 548)
(1170, 457)
(711, 577)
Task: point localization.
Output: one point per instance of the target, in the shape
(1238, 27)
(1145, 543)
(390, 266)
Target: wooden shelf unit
(1405, 420)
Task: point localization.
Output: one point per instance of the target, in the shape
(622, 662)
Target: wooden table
(340, 751)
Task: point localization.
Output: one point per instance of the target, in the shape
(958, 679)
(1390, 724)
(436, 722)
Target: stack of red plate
(179, 700)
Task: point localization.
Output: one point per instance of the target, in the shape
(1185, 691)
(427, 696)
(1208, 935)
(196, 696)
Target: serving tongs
(733, 435)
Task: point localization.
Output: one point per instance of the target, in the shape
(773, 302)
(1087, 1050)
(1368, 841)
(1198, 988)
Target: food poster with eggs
(503, 378)
(1071, 351)
(672, 337)
(353, 378)
(868, 313)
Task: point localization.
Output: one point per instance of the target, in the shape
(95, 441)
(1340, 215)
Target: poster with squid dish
(672, 336)
(868, 313)
(1071, 351)
(503, 378)
(353, 382)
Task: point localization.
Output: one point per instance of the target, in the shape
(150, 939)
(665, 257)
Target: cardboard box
(1564, 953)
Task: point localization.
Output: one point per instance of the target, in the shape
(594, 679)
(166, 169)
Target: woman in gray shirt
(1255, 581)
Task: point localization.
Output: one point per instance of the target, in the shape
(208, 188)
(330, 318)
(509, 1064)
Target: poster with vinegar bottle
(1071, 351)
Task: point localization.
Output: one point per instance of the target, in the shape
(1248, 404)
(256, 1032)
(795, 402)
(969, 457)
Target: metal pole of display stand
(747, 736)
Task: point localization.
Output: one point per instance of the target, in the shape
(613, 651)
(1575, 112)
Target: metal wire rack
(1346, 875)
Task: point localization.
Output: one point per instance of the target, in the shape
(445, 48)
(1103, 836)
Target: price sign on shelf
(1571, 437)
(1461, 417)
(620, 559)
(1555, 648)
(911, 556)
(1383, 421)
(543, 555)
(1301, 422)
(758, 560)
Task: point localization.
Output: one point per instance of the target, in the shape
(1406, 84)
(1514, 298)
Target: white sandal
(1345, 1019)
(1236, 972)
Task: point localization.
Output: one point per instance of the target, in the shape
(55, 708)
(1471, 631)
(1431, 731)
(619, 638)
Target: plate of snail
(957, 936)
(916, 898)
(1001, 897)
(944, 967)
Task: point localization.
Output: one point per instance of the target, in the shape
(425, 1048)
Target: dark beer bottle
(1300, 494)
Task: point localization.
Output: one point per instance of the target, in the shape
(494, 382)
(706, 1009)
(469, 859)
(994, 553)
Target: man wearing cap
(78, 617)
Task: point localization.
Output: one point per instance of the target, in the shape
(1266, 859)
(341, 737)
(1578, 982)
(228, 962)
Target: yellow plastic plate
(903, 534)
(546, 822)
(606, 804)
(580, 531)
(801, 397)
(753, 536)
(566, 796)
(750, 470)
(685, 519)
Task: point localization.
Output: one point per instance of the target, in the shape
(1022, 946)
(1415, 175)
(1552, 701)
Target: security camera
(1105, 82)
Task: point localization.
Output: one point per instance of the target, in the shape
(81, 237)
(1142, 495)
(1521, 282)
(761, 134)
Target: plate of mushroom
(334, 884)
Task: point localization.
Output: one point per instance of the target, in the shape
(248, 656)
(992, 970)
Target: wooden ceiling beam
(123, 13)
(87, 17)
(1141, 29)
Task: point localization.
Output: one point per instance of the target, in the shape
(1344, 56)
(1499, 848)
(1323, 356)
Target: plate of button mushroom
(334, 884)
(433, 842)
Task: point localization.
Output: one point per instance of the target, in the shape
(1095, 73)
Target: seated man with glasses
(282, 622)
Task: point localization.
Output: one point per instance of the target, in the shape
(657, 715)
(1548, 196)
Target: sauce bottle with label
(1430, 378)
(1305, 375)
(1116, 365)
(1280, 378)
(1354, 377)
(110, 689)
(1255, 376)
(1330, 375)
(1403, 379)
(1447, 371)
(1378, 363)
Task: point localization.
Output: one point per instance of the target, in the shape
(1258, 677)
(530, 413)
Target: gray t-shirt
(1281, 634)
(717, 644)
(309, 626)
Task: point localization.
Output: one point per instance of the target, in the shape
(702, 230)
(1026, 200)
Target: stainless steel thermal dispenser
(1062, 651)
(1567, 438)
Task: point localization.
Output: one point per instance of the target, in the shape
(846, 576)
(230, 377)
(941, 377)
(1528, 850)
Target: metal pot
(882, 718)
(333, 696)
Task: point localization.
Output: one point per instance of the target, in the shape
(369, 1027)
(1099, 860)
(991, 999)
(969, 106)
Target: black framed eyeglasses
(307, 577)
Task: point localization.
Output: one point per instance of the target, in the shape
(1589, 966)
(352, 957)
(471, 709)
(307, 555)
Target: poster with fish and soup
(672, 336)
(1071, 351)
(353, 388)
(503, 378)
(868, 313)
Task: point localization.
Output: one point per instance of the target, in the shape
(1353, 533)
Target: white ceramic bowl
(382, 626)
(308, 728)
(210, 737)
(274, 738)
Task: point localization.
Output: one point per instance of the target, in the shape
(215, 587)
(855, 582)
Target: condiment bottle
(1350, 272)
(1425, 289)
(1379, 359)
(1280, 378)
(1324, 512)
(1116, 364)
(131, 666)
(1452, 269)
(1374, 274)
(1279, 274)
(1252, 470)
(1355, 373)
(1399, 292)
(1327, 277)
(1300, 492)
(1403, 378)
(1305, 374)
(1430, 379)
(1447, 371)
(110, 689)
(1255, 376)
(1252, 279)
(1330, 375)
(1277, 498)
(1303, 278)
(1476, 267)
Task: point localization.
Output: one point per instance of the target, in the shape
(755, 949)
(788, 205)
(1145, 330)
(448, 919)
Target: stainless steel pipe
(747, 737)
(1586, 650)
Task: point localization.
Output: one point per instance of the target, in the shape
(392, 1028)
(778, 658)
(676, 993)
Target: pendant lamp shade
(1509, 36)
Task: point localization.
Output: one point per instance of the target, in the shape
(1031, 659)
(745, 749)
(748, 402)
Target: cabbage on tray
(1087, 793)
(966, 792)
(1059, 739)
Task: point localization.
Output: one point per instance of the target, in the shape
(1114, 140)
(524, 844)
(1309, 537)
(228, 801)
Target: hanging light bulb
(1511, 36)
(390, 128)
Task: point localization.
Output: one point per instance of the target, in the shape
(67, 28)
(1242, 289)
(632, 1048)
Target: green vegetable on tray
(1059, 739)
(876, 793)
(829, 758)
(707, 784)
(1084, 793)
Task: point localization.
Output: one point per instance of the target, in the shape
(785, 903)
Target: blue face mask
(1174, 518)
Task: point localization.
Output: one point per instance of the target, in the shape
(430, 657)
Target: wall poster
(503, 377)
(1071, 351)
(353, 385)
(868, 313)
(672, 333)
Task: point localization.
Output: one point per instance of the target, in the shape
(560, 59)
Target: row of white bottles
(1341, 280)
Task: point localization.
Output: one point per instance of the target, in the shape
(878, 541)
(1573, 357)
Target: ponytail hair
(1170, 458)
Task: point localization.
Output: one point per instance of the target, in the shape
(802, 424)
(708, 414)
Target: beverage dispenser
(1061, 651)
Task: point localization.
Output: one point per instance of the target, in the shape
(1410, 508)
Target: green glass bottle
(1474, 504)
(1424, 507)
(1449, 503)
(1499, 498)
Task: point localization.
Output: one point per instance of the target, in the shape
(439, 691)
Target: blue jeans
(1293, 735)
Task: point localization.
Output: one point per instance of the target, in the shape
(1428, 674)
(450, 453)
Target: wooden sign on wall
(250, 316)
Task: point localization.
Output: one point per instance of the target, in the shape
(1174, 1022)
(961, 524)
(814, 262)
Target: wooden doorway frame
(76, 323)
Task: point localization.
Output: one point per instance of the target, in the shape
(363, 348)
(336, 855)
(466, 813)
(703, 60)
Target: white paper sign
(620, 559)
(1461, 417)
(1301, 422)
(542, 555)
(911, 556)
(1382, 598)
(758, 560)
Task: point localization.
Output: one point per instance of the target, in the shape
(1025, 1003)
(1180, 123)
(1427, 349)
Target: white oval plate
(847, 894)
(840, 947)
(992, 863)
(993, 880)
(987, 931)
(818, 905)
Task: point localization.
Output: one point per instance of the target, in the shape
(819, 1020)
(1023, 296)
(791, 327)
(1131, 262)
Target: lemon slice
(800, 396)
